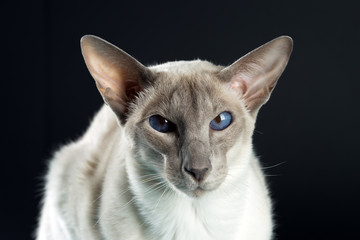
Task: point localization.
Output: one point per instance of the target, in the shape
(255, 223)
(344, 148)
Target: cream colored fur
(95, 191)
(101, 207)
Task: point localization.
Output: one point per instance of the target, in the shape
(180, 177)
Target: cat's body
(130, 178)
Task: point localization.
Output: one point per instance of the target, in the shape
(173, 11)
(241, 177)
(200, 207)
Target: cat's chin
(196, 193)
(192, 192)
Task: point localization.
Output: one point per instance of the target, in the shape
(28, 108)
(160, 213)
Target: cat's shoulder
(103, 124)
(87, 149)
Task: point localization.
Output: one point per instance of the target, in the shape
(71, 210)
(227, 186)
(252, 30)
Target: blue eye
(222, 121)
(161, 124)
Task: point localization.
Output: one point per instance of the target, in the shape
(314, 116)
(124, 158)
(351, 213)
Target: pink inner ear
(240, 83)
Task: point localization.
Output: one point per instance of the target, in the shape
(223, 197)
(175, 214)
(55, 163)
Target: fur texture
(125, 180)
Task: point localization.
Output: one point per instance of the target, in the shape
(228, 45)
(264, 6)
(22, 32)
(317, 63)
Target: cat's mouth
(192, 190)
(199, 190)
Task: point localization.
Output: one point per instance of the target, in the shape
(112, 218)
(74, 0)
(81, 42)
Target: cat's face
(189, 122)
(172, 126)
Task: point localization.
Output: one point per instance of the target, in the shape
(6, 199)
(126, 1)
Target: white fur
(100, 187)
(114, 204)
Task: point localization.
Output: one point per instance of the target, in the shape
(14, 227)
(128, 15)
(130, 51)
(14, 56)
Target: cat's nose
(197, 174)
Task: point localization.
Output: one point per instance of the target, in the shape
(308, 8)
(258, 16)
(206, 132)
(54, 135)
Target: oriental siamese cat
(169, 156)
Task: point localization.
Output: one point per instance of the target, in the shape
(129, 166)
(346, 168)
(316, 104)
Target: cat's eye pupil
(161, 124)
(221, 121)
(217, 119)
(162, 121)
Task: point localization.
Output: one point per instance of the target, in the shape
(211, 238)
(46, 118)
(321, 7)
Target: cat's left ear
(118, 76)
(255, 75)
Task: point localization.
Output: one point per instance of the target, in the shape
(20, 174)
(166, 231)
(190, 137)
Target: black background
(310, 125)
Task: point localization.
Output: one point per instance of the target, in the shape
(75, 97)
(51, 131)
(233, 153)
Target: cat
(169, 155)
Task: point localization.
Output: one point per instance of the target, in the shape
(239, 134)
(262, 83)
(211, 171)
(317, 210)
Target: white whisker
(165, 190)
(275, 165)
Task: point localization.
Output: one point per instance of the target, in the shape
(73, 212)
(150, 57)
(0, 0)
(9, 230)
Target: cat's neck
(173, 215)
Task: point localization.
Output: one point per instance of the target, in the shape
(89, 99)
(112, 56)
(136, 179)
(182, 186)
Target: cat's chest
(168, 215)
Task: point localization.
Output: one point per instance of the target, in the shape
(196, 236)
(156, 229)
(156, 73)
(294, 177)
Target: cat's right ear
(254, 75)
(118, 76)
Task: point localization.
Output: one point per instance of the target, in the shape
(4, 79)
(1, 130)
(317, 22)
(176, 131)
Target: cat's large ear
(255, 75)
(119, 77)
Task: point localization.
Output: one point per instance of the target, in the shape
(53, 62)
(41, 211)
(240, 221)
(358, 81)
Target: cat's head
(190, 122)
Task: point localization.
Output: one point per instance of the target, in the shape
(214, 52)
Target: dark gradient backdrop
(310, 125)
